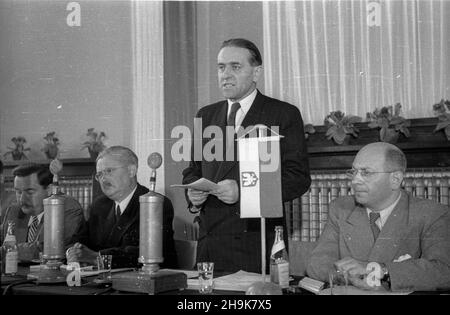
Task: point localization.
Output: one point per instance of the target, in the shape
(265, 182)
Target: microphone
(154, 161)
(55, 167)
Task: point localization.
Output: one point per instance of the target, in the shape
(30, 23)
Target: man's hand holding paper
(197, 197)
(202, 184)
(227, 191)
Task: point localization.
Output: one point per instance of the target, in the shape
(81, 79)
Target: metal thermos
(54, 226)
(151, 222)
(151, 231)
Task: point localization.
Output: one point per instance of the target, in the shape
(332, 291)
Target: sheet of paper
(238, 281)
(351, 290)
(202, 184)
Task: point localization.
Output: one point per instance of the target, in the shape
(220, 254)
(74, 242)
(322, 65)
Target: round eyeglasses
(106, 172)
(365, 174)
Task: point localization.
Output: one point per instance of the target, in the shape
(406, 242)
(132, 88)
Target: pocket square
(402, 258)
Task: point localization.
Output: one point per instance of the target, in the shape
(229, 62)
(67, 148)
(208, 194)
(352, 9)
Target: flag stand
(260, 182)
(263, 248)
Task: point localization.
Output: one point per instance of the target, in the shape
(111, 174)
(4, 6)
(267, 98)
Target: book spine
(288, 217)
(444, 184)
(305, 216)
(314, 230)
(324, 203)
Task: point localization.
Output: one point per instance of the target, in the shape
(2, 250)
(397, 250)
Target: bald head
(389, 157)
(379, 174)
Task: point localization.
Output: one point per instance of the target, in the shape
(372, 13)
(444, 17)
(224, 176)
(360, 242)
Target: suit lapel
(357, 233)
(387, 244)
(252, 117)
(110, 222)
(220, 119)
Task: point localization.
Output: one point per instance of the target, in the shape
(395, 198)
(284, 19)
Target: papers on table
(238, 281)
(351, 290)
(202, 184)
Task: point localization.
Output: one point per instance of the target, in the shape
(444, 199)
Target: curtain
(356, 56)
(148, 87)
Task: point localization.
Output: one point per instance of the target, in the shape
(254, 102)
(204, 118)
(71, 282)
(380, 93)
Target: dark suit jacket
(230, 242)
(73, 219)
(416, 227)
(121, 239)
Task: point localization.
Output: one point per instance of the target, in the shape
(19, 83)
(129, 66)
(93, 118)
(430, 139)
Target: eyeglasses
(107, 171)
(365, 174)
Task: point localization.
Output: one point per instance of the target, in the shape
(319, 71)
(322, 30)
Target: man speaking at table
(113, 225)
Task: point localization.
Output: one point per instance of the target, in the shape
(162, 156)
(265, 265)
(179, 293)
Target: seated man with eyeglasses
(113, 224)
(382, 237)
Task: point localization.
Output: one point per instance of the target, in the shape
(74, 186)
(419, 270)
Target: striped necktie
(373, 216)
(32, 229)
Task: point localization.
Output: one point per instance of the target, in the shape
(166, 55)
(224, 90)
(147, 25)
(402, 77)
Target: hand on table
(81, 253)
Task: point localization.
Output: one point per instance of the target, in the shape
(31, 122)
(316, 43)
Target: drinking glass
(338, 281)
(104, 264)
(205, 277)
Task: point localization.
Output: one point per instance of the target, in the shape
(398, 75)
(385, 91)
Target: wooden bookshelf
(423, 148)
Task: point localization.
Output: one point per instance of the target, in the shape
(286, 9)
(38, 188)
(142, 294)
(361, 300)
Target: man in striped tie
(30, 184)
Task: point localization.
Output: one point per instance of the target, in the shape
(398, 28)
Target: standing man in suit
(407, 239)
(30, 183)
(113, 224)
(230, 242)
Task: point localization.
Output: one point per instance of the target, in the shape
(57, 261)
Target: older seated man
(113, 224)
(30, 183)
(406, 239)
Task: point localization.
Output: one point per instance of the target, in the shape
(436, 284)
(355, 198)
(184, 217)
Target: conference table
(20, 285)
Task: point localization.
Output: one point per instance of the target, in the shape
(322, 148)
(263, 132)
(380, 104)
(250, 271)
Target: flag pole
(263, 248)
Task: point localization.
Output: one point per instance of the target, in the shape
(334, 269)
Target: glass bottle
(10, 251)
(279, 260)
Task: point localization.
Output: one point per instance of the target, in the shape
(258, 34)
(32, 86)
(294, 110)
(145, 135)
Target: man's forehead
(369, 158)
(108, 161)
(233, 55)
(30, 181)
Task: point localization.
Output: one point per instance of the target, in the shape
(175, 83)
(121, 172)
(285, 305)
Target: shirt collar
(124, 203)
(384, 214)
(245, 103)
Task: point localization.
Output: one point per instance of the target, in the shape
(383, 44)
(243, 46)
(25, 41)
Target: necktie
(232, 116)
(117, 213)
(373, 216)
(32, 229)
(230, 144)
